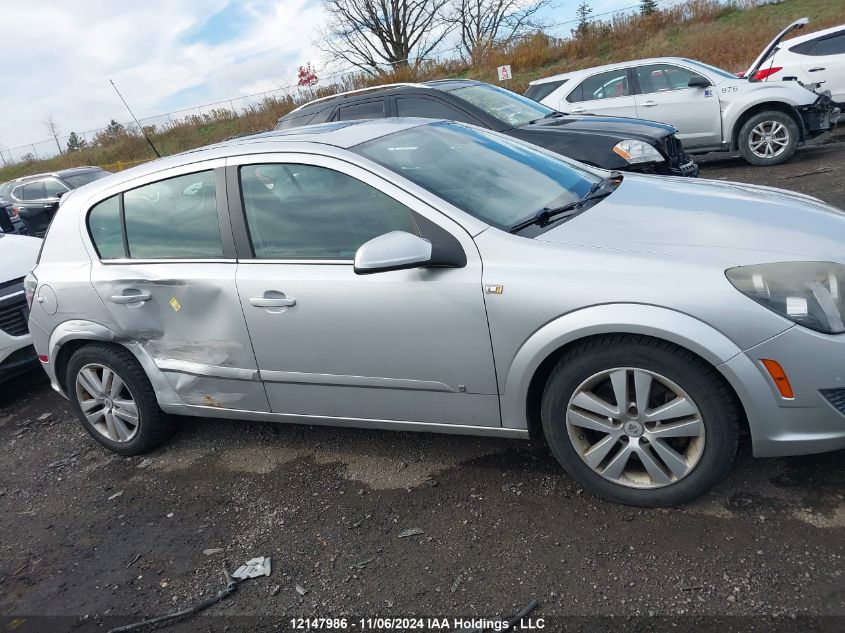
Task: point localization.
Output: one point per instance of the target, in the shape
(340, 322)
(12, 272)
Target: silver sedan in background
(432, 276)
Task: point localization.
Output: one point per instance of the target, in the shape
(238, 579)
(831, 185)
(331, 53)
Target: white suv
(712, 109)
(18, 255)
(815, 58)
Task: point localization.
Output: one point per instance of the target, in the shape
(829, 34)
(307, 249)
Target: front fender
(617, 318)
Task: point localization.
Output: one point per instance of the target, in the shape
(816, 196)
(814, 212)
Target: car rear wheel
(768, 138)
(114, 400)
(640, 421)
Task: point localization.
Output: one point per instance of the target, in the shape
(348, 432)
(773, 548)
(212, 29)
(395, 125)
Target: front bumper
(820, 116)
(811, 422)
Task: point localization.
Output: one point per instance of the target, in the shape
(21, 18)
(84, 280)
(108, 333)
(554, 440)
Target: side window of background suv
(606, 85)
(309, 212)
(366, 110)
(663, 77)
(174, 218)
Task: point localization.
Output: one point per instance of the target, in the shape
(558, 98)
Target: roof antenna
(133, 118)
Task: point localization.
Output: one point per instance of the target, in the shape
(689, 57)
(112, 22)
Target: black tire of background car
(154, 426)
(715, 400)
(768, 115)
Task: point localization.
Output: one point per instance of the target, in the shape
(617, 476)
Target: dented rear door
(167, 276)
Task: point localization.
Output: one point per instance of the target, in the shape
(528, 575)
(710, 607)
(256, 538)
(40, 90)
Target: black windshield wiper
(547, 215)
(551, 115)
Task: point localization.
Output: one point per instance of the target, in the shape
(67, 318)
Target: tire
(119, 434)
(783, 130)
(670, 372)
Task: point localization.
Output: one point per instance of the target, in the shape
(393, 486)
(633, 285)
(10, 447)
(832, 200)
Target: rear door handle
(815, 70)
(648, 104)
(272, 302)
(134, 298)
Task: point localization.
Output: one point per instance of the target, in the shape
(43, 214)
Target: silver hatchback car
(431, 276)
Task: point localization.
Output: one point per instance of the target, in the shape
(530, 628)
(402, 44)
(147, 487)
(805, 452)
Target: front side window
(75, 181)
(173, 219)
(663, 77)
(506, 106)
(430, 109)
(308, 212)
(53, 188)
(496, 179)
(366, 110)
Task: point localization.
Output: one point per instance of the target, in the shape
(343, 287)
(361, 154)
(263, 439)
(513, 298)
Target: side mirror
(697, 81)
(396, 250)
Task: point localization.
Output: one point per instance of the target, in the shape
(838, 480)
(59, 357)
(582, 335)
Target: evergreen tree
(648, 7)
(583, 12)
(75, 142)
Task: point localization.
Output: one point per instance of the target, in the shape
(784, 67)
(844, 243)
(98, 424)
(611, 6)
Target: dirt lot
(101, 540)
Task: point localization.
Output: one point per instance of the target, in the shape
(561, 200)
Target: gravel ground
(92, 540)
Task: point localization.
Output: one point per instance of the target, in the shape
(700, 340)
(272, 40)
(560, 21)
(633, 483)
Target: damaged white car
(713, 109)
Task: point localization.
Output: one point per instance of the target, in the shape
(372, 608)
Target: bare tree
(53, 129)
(484, 22)
(381, 35)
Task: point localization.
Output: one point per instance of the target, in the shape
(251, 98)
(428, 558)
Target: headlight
(638, 152)
(808, 293)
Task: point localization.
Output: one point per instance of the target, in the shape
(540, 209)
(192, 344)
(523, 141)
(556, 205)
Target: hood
(621, 127)
(18, 255)
(727, 223)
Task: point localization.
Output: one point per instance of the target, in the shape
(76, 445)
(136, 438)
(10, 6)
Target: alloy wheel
(635, 427)
(768, 139)
(107, 403)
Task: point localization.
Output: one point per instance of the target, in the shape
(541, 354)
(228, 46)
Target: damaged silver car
(432, 276)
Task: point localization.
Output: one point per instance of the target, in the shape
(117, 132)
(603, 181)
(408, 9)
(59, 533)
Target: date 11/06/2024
(417, 624)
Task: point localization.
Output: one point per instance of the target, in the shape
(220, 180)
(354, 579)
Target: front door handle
(578, 110)
(648, 104)
(272, 302)
(815, 70)
(138, 297)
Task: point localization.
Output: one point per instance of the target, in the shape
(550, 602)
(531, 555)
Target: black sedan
(607, 142)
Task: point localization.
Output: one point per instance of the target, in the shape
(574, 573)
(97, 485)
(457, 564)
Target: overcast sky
(164, 55)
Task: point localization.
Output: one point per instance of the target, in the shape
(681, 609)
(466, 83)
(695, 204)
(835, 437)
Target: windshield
(77, 180)
(498, 180)
(712, 69)
(506, 106)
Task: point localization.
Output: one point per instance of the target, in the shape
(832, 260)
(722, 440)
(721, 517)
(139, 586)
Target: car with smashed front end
(432, 276)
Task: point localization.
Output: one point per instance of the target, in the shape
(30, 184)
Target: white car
(18, 256)
(815, 58)
(713, 109)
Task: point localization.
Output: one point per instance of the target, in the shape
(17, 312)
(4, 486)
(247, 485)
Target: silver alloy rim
(635, 428)
(107, 403)
(768, 139)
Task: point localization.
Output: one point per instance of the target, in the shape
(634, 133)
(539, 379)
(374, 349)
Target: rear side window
(31, 191)
(607, 85)
(170, 219)
(365, 110)
(308, 212)
(104, 227)
(830, 45)
(538, 92)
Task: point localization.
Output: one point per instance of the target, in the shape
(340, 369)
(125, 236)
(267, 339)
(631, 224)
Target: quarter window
(607, 85)
(663, 77)
(830, 45)
(104, 227)
(308, 212)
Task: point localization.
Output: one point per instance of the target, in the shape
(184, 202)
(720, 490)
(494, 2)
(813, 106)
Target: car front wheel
(114, 400)
(640, 421)
(768, 138)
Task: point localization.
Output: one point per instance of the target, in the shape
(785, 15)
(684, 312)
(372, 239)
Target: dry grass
(727, 34)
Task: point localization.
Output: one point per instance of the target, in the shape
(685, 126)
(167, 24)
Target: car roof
(70, 171)
(444, 85)
(597, 69)
(810, 36)
(339, 134)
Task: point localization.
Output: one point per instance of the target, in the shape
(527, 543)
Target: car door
(165, 271)
(400, 346)
(607, 93)
(823, 61)
(664, 94)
